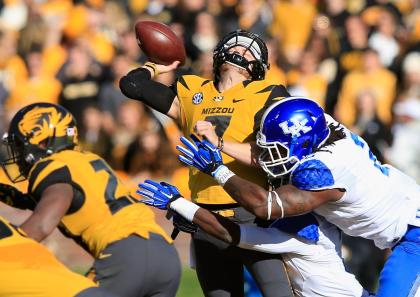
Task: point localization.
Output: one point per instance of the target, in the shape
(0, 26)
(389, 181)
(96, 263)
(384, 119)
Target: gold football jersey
(27, 268)
(102, 210)
(236, 114)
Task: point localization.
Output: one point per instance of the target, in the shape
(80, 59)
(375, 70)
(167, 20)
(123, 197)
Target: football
(159, 43)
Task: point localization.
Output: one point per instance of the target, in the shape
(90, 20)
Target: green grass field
(189, 284)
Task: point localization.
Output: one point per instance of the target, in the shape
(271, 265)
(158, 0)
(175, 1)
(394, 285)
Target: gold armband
(152, 66)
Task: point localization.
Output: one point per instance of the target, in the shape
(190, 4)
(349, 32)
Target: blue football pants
(400, 276)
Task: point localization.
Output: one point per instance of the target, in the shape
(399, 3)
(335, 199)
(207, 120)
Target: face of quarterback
(241, 51)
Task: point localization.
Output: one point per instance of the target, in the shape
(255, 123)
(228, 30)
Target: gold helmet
(37, 131)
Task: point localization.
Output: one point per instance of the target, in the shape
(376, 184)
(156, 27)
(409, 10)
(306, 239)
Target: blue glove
(201, 154)
(158, 195)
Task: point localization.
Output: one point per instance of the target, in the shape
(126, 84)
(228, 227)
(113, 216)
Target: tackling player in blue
(333, 173)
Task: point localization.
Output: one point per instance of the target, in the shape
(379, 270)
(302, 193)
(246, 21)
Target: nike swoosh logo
(237, 100)
(103, 256)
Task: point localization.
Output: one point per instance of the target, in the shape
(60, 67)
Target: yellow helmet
(37, 131)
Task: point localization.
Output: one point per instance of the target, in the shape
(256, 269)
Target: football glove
(15, 198)
(201, 154)
(158, 195)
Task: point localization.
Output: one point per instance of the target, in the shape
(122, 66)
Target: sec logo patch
(197, 98)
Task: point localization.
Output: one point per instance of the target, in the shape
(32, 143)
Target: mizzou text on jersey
(236, 113)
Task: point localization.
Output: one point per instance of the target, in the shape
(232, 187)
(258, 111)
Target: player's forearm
(251, 196)
(270, 240)
(209, 222)
(289, 200)
(217, 226)
(35, 229)
(246, 153)
(53, 205)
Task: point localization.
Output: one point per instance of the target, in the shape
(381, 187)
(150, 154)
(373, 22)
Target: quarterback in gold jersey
(27, 268)
(233, 103)
(79, 193)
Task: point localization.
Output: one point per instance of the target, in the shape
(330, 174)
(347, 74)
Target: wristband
(185, 208)
(220, 143)
(269, 205)
(222, 174)
(279, 203)
(153, 67)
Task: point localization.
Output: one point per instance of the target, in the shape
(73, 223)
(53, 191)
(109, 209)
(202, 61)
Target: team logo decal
(37, 121)
(217, 98)
(197, 98)
(296, 128)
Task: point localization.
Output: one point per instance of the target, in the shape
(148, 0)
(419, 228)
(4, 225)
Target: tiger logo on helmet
(37, 131)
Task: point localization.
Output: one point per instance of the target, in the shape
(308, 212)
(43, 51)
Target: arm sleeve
(273, 241)
(137, 85)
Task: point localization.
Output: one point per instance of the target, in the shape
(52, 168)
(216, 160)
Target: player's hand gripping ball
(159, 43)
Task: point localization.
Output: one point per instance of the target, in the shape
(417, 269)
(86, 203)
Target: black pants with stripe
(219, 266)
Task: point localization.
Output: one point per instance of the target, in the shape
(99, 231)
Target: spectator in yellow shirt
(36, 87)
(374, 78)
(292, 23)
(306, 81)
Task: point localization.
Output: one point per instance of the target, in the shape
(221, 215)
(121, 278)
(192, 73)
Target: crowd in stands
(359, 59)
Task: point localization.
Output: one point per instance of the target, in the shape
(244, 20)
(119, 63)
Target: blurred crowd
(359, 59)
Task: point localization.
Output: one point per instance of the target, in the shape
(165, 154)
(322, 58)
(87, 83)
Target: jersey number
(111, 186)
(360, 142)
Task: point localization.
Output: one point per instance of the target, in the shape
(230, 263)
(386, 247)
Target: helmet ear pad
(33, 153)
(258, 70)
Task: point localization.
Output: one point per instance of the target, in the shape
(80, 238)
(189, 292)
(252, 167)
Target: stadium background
(359, 59)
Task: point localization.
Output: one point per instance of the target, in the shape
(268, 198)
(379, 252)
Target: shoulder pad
(312, 174)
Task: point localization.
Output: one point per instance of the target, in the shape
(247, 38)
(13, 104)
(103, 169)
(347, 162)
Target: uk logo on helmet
(296, 128)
